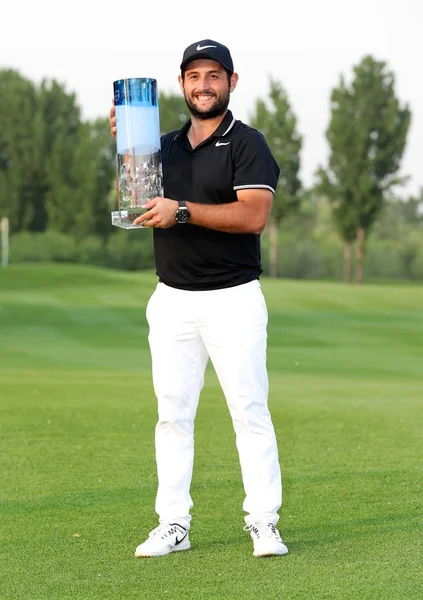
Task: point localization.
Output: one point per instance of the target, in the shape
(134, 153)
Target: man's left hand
(160, 213)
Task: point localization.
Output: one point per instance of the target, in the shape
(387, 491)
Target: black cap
(208, 49)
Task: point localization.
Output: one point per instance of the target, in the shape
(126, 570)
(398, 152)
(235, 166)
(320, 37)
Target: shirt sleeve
(254, 165)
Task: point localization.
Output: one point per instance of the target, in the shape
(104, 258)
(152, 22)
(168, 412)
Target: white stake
(4, 226)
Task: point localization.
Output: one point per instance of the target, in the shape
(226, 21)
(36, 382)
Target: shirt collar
(224, 128)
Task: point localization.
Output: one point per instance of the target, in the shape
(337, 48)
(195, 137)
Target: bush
(382, 260)
(410, 251)
(308, 258)
(416, 267)
(130, 250)
(49, 246)
(300, 259)
(92, 251)
(332, 256)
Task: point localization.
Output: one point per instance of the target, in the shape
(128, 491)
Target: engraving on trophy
(140, 179)
(139, 165)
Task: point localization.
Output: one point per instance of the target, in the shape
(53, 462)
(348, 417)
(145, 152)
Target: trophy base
(125, 219)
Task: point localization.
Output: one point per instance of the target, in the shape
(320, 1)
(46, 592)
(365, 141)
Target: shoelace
(264, 530)
(166, 529)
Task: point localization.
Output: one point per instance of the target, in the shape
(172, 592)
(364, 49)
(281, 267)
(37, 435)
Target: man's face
(206, 88)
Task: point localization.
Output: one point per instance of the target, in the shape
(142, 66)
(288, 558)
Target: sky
(306, 45)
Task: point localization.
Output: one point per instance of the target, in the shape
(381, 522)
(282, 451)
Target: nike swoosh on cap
(222, 143)
(199, 48)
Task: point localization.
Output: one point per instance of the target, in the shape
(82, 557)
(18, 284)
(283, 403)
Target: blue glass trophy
(139, 162)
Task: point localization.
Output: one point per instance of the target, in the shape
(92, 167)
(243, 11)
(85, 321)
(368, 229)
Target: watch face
(182, 215)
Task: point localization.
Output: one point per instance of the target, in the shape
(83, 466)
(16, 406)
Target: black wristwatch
(182, 214)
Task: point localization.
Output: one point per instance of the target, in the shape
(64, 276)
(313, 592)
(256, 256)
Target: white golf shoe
(266, 539)
(166, 538)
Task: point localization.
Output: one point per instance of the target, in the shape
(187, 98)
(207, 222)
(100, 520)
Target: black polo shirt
(234, 157)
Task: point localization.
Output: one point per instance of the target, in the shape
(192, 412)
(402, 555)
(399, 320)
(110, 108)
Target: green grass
(77, 415)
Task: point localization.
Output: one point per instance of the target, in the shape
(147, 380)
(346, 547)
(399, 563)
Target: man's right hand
(113, 120)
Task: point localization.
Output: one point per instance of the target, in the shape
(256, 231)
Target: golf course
(77, 418)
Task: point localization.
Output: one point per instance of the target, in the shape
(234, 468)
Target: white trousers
(229, 326)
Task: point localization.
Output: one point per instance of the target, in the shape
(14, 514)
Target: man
(219, 179)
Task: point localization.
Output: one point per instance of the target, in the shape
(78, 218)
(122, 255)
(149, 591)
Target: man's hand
(160, 213)
(112, 115)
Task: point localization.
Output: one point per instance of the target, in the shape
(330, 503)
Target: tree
(61, 135)
(367, 136)
(412, 209)
(278, 124)
(344, 217)
(79, 166)
(19, 151)
(173, 112)
(94, 171)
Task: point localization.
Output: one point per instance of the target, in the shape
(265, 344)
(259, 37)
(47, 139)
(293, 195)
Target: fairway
(77, 417)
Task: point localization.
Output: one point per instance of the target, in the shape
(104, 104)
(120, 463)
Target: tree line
(57, 172)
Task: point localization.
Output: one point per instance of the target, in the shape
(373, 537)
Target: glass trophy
(139, 162)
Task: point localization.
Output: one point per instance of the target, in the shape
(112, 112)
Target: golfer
(219, 179)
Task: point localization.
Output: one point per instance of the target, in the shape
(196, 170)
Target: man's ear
(233, 81)
(181, 82)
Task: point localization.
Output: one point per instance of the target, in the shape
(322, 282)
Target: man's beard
(219, 108)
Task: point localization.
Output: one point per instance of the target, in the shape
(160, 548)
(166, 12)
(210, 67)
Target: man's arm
(248, 215)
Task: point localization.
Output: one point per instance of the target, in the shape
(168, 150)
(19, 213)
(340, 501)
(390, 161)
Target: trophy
(139, 161)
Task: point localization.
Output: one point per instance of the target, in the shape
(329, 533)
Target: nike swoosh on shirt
(199, 48)
(222, 143)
